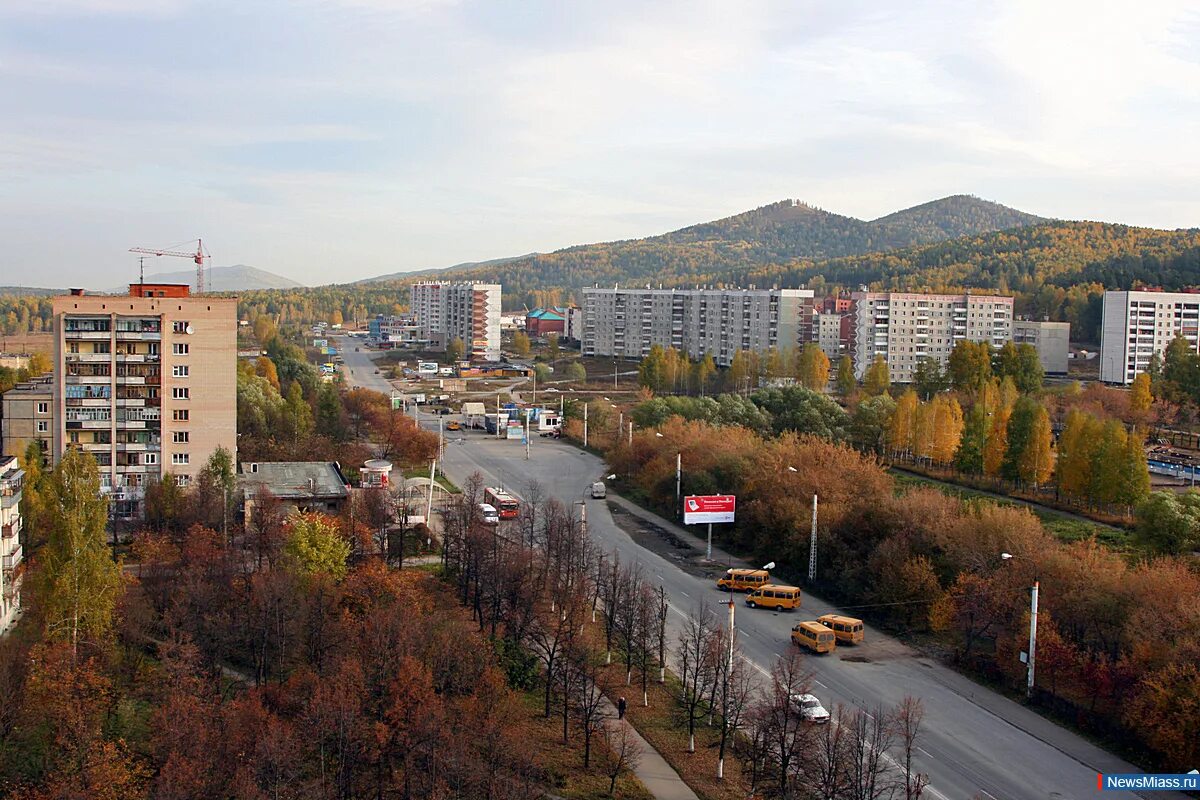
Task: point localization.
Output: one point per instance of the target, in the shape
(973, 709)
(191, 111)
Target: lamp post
(812, 538)
(1033, 614)
(732, 606)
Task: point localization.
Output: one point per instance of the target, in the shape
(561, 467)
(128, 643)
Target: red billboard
(699, 509)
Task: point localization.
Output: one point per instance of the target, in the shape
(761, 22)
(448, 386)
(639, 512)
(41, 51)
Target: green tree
(455, 350)
(329, 414)
(1021, 434)
(314, 547)
(33, 497)
(552, 349)
(1107, 463)
(1076, 454)
(970, 366)
(1181, 368)
(845, 377)
(297, 414)
(1135, 475)
(813, 368)
(79, 582)
(1169, 522)
(877, 380)
(870, 422)
(1029, 374)
(521, 345)
(1006, 361)
(928, 378)
(969, 458)
(576, 372)
(541, 373)
(799, 409)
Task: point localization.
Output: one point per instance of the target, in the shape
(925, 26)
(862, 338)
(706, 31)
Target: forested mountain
(778, 233)
(236, 278)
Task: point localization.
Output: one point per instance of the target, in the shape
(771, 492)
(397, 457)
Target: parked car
(810, 709)
(453, 425)
(555, 434)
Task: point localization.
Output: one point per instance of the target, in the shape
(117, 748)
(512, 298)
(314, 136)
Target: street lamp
(1033, 614)
(812, 539)
(678, 478)
(732, 606)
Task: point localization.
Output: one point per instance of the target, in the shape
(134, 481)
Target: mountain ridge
(233, 278)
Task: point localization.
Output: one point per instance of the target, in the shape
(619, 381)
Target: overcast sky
(330, 140)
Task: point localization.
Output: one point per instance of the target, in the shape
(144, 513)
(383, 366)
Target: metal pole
(1033, 612)
(812, 545)
(631, 433)
(620, 425)
(429, 502)
(441, 434)
(585, 423)
(678, 478)
(497, 415)
(708, 551)
(527, 434)
(614, 372)
(583, 517)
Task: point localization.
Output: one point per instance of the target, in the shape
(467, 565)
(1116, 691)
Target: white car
(810, 709)
(488, 514)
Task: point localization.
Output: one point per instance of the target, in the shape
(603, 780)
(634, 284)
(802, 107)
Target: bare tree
(906, 723)
(661, 632)
(868, 738)
(824, 766)
(589, 698)
(734, 689)
(624, 752)
(786, 734)
(695, 666)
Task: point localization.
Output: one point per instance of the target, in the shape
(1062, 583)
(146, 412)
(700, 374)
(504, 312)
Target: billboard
(698, 509)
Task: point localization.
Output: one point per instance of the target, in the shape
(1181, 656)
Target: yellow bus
(845, 629)
(744, 580)
(814, 636)
(773, 595)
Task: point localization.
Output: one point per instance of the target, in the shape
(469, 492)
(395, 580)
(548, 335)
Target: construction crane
(199, 256)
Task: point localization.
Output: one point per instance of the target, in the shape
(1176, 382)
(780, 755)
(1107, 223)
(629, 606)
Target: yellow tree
(996, 443)
(1140, 397)
(924, 423)
(900, 431)
(775, 365)
(1037, 459)
(813, 369)
(877, 379)
(1008, 393)
(947, 428)
(1076, 448)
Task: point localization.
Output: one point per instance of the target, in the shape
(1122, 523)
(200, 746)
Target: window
(179, 437)
(180, 393)
(180, 326)
(43, 408)
(180, 414)
(150, 458)
(179, 458)
(183, 480)
(179, 349)
(179, 371)
(43, 427)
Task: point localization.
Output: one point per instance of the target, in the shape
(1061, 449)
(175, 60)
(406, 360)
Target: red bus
(505, 504)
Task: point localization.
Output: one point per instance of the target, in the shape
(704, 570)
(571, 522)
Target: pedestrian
(621, 708)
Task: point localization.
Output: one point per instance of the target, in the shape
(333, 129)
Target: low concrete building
(15, 360)
(1052, 340)
(27, 416)
(11, 553)
(299, 485)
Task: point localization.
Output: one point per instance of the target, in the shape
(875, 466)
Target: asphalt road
(975, 743)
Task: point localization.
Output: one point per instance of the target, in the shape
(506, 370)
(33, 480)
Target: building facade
(626, 323)
(146, 383)
(833, 334)
(1052, 340)
(907, 328)
(1137, 324)
(27, 417)
(11, 552)
(467, 311)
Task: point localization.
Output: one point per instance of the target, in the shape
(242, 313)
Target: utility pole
(708, 550)
(585, 424)
(497, 415)
(1033, 612)
(678, 482)
(812, 545)
(620, 424)
(527, 434)
(631, 433)
(429, 502)
(614, 372)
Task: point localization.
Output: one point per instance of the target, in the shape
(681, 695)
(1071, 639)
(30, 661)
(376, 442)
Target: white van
(488, 514)
(599, 490)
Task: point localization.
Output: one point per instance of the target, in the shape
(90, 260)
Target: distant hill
(222, 279)
(465, 266)
(715, 252)
(29, 291)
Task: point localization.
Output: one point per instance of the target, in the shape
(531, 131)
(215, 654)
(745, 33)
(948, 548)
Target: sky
(332, 140)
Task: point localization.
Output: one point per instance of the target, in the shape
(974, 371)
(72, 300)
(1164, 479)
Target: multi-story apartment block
(626, 323)
(146, 383)
(466, 311)
(11, 553)
(833, 334)
(1137, 324)
(1052, 340)
(908, 328)
(27, 416)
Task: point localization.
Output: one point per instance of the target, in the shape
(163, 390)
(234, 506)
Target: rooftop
(294, 480)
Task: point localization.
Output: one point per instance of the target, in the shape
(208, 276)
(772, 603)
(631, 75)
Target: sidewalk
(1013, 713)
(652, 770)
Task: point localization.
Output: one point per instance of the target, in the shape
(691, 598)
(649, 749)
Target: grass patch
(441, 480)
(663, 724)
(563, 763)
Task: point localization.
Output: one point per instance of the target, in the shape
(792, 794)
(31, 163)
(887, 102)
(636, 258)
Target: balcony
(134, 358)
(131, 380)
(13, 559)
(87, 335)
(139, 336)
(87, 358)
